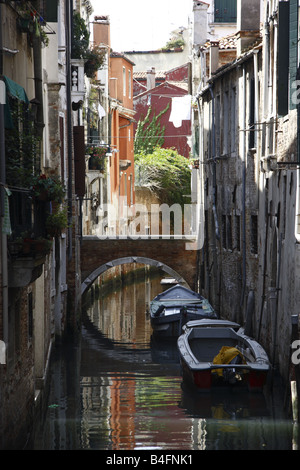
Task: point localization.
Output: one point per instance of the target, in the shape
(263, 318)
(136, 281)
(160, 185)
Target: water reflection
(127, 393)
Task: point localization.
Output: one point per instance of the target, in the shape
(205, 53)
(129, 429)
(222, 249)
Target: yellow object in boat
(225, 356)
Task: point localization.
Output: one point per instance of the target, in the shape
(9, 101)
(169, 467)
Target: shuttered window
(293, 49)
(225, 11)
(48, 10)
(79, 160)
(283, 57)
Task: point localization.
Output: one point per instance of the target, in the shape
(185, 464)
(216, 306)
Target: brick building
(248, 154)
(40, 258)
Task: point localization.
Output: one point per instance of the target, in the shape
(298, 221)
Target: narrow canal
(119, 389)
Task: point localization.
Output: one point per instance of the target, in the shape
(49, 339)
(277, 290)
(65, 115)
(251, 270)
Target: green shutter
(283, 58)
(50, 14)
(225, 11)
(293, 52)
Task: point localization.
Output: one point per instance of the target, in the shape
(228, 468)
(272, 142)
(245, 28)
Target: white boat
(217, 352)
(171, 309)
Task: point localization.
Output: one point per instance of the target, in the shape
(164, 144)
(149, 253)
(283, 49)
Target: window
(30, 315)
(233, 119)
(293, 47)
(225, 11)
(217, 126)
(238, 232)
(124, 81)
(253, 234)
(227, 232)
(225, 123)
(283, 58)
(129, 83)
(224, 239)
(131, 189)
(252, 132)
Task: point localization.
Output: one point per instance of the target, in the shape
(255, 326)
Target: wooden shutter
(79, 160)
(283, 58)
(225, 11)
(293, 49)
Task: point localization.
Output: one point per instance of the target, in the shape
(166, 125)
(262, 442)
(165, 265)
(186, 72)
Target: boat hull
(171, 325)
(172, 309)
(203, 347)
(205, 380)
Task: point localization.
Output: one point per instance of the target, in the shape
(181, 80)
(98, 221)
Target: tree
(166, 173)
(149, 133)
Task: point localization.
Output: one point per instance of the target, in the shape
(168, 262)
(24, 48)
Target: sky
(142, 26)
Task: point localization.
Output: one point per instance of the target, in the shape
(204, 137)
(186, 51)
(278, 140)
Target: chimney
(101, 30)
(213, 57)
(151, 78)
(248, 23)
(199, 23)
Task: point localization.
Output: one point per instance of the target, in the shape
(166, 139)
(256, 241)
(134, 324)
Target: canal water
(120, 389)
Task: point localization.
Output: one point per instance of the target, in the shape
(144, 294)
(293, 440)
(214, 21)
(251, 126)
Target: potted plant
(47, 188)
(28, 245)
(57, 222)
(97, 155)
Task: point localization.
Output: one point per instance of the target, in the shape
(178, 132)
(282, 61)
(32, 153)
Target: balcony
(78, 86)
(30, 240)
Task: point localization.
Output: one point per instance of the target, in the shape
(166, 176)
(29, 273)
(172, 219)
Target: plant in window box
(27, 245)
(25, 22)
(97, 155)
(47, 188)
(37, 246)
(57, 222)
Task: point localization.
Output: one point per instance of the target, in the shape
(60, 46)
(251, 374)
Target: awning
(17, 91)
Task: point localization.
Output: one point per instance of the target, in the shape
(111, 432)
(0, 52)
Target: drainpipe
(2, 195)
(214, 164)
(243, 158)
(217, 233)
(256, 110)
(69, 24)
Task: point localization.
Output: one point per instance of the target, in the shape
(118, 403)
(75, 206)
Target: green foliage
(174, 44)
(49, 187)
(94, 61)
(149, 133)
(81, 37)
(57, 221)
(166, 173)
(22, 146)
(80, 47)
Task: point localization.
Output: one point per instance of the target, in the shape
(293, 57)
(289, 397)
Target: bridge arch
(126, 260)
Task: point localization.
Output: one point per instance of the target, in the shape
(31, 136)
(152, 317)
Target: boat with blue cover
(171, 309)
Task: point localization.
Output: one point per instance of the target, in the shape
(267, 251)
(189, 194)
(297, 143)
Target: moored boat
(171, 309)
(217, 352)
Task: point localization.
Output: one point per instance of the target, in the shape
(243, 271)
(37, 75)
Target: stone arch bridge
(177, 256)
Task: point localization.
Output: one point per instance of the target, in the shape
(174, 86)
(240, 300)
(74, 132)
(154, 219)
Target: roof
(121, 55)
(143, 75)
(226, 42)
(180, 86)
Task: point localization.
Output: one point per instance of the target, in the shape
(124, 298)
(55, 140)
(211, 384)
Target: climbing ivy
(149, 133)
